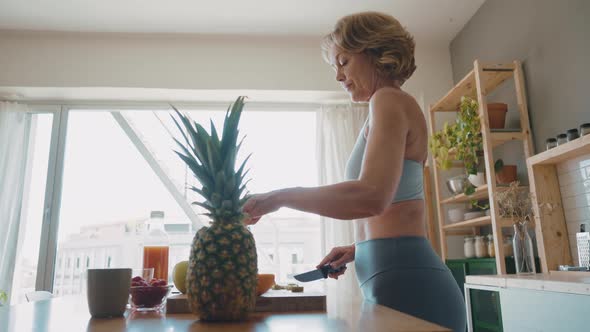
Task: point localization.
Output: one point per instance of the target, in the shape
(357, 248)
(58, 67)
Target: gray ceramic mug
(108, 291)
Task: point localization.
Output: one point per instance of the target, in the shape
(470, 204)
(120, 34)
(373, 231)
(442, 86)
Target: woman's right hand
(338, 257)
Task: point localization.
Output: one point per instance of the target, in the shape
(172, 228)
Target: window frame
(47, 262)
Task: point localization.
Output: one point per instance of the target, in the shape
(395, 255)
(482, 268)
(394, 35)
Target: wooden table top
(70, 313)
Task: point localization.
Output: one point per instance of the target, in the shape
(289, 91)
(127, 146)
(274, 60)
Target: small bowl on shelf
(474, 215)
(456, 184)
(456, 215)
(148, 298)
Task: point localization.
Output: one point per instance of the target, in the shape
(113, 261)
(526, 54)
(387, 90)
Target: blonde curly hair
(380, 36)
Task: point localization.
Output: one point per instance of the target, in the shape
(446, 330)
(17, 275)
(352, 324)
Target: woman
(373, 55)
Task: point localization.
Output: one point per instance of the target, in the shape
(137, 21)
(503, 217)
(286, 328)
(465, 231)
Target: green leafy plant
(3, 297)
(442, 145)
(461, 140)
(481, 205)
(469, 140)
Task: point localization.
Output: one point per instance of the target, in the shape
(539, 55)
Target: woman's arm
(380, 173)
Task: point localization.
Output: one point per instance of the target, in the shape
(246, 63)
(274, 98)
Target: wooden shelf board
(567, 151)
(481, 221)
(499, 138)
(480, 192)
(460, 227)
(493, 75)
(508, 222)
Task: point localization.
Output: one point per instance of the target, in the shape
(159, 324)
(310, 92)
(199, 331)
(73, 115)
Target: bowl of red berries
(148, 295)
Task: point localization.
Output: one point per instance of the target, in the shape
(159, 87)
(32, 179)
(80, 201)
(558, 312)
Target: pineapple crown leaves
(212, 160)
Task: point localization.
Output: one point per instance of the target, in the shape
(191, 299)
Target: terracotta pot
(506, 175)
(497, 115)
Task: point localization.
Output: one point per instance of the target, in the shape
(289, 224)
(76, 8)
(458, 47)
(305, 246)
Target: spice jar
(480, 247)
(550, 143)
(491, 250)
(561, 139)
(584, 129)
(572, 134)
(468, 247)
(508, 248)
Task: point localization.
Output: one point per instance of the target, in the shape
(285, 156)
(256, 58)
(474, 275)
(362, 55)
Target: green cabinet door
(459, 270)
(486, 314)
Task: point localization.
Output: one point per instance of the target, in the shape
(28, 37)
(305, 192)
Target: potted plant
(515, 203)
(460, 141)
(505, 174)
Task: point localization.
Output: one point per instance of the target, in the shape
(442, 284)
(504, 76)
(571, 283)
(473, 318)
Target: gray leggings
(405, 274)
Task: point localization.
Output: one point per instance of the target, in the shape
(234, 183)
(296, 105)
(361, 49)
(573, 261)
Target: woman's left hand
(260, 204)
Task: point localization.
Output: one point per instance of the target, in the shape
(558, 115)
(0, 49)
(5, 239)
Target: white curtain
(337, 129)
(14, 134)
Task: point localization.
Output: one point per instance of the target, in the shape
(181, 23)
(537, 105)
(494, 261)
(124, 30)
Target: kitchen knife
(321, 273)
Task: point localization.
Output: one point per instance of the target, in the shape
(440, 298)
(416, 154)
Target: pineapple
(222, 272)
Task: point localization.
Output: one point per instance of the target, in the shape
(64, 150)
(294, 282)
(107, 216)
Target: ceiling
(432, 20)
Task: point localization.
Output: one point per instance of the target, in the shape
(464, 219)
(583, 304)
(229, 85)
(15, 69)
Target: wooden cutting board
(271, 301)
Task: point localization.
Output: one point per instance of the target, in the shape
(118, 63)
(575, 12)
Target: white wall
(163, 61)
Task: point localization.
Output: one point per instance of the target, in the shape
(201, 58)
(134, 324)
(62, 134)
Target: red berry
(138, 278)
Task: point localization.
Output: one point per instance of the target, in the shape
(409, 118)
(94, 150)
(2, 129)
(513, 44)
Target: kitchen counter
(562, 282)
(556, 301)
(70, 313)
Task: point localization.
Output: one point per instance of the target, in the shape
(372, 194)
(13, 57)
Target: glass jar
(481, 250)
(156, 246)
(572, 134)
(468, 247)
(491, 249)
(508, 249)
(561, 139)
(584, 129)
(550, 143)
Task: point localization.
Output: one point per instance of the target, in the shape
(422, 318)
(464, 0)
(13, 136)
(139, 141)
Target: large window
(119, 166)
(27, 255)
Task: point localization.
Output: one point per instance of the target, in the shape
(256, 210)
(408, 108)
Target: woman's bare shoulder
(393, 100)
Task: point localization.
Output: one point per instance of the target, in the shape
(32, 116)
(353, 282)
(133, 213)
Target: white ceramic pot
(456, 215)
(477, 180)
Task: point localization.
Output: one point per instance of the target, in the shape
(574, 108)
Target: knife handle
(327, 269)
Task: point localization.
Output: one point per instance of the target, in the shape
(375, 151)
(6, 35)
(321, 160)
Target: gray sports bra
(411, 184)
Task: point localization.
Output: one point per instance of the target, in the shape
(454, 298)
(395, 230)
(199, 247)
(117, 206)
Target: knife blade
(321, 273)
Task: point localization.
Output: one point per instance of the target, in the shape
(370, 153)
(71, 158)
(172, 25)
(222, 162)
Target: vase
(523, 249)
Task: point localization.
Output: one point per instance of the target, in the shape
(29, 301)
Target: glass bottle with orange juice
(156, 246)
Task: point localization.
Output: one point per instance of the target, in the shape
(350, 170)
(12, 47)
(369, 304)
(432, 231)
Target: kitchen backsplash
(574, 183)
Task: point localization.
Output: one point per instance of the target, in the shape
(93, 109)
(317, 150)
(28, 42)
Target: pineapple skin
(222, 272)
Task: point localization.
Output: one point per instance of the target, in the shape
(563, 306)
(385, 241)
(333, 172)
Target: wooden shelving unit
(551, 231)
(478, 83)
